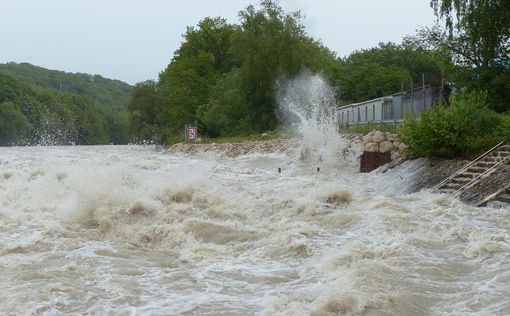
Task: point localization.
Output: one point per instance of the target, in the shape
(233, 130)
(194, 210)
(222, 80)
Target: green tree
(382, 70)
(186, 83)
(225, 113)
(478, 42)
(270, 44)
(143, 111)
(14, 127)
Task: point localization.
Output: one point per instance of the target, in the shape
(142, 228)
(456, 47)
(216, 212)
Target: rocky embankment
(231, 150)
(382, 142)
(431, 172)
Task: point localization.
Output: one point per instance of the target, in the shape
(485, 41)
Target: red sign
(192, 133)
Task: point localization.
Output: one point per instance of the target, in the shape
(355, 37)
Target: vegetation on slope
(31, 115)
(107, 93)
(224, 75)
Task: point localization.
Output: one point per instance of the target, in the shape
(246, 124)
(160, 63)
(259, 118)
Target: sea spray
(307, 104)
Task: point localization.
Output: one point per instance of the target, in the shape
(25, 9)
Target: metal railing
(493, 196)
(488, 171)
(467, 166)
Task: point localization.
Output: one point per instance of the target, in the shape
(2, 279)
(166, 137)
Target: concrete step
(492, 159)
(461, 179)
(471, 175)
(503, 198)
(497, 204)
(447, 191)
(503, 153)
(476, 170)
(451, 186)
(484, 164)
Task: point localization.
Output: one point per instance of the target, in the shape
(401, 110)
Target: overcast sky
(133, 40)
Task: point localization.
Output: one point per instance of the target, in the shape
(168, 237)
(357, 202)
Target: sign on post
(192, 133)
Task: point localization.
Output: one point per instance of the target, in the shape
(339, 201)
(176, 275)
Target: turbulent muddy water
(128, 230)
(133, 230)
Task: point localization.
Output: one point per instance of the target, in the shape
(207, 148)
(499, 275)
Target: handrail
(490, 197)
(467, 166)
(481, 175)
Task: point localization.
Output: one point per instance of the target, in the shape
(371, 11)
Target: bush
(466, 128)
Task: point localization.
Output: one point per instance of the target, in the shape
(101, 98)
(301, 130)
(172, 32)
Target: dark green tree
(271, 43)
(384, 69)
(143, 111)
(14, 126)
(186, 83)
(478, 42)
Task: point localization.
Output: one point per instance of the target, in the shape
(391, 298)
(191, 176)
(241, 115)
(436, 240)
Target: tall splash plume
(307, 104)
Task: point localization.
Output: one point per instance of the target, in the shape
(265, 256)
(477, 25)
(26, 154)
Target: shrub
(464, 129)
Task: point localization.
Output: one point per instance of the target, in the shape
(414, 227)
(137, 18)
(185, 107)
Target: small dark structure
(373, 160)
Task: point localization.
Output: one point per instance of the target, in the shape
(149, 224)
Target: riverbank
(431, 171)
(436, 170)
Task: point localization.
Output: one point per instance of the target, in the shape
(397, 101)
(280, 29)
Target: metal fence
(389, 109)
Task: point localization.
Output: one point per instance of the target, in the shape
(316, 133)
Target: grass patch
(364, 129)
(280, 132)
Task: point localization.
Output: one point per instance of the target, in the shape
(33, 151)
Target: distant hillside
(31, 115)
(112, 94)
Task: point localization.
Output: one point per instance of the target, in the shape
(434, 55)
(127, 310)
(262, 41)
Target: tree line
(37, 116)
(223, 75)
(107, 93)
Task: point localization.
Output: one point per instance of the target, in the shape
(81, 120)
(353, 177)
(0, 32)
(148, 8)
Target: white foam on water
(134, 230)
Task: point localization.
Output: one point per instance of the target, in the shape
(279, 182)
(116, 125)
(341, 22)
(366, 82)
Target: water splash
(307, 104)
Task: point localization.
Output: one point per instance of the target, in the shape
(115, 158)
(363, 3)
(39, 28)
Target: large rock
(403, 147)
(379, 137)
(385, 146)
(371, 146)
(368, 137)
(395, 154)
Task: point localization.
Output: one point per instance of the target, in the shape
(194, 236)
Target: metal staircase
(476, 170)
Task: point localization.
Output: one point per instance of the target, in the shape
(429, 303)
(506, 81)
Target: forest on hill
(33, 113)
(107, 93)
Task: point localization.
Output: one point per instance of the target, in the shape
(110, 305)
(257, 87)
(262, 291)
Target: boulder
(396, 144)
(372, 147)
(402, 147)
(385, 146)
(395, 154)
(379, 137)
(368, 137)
